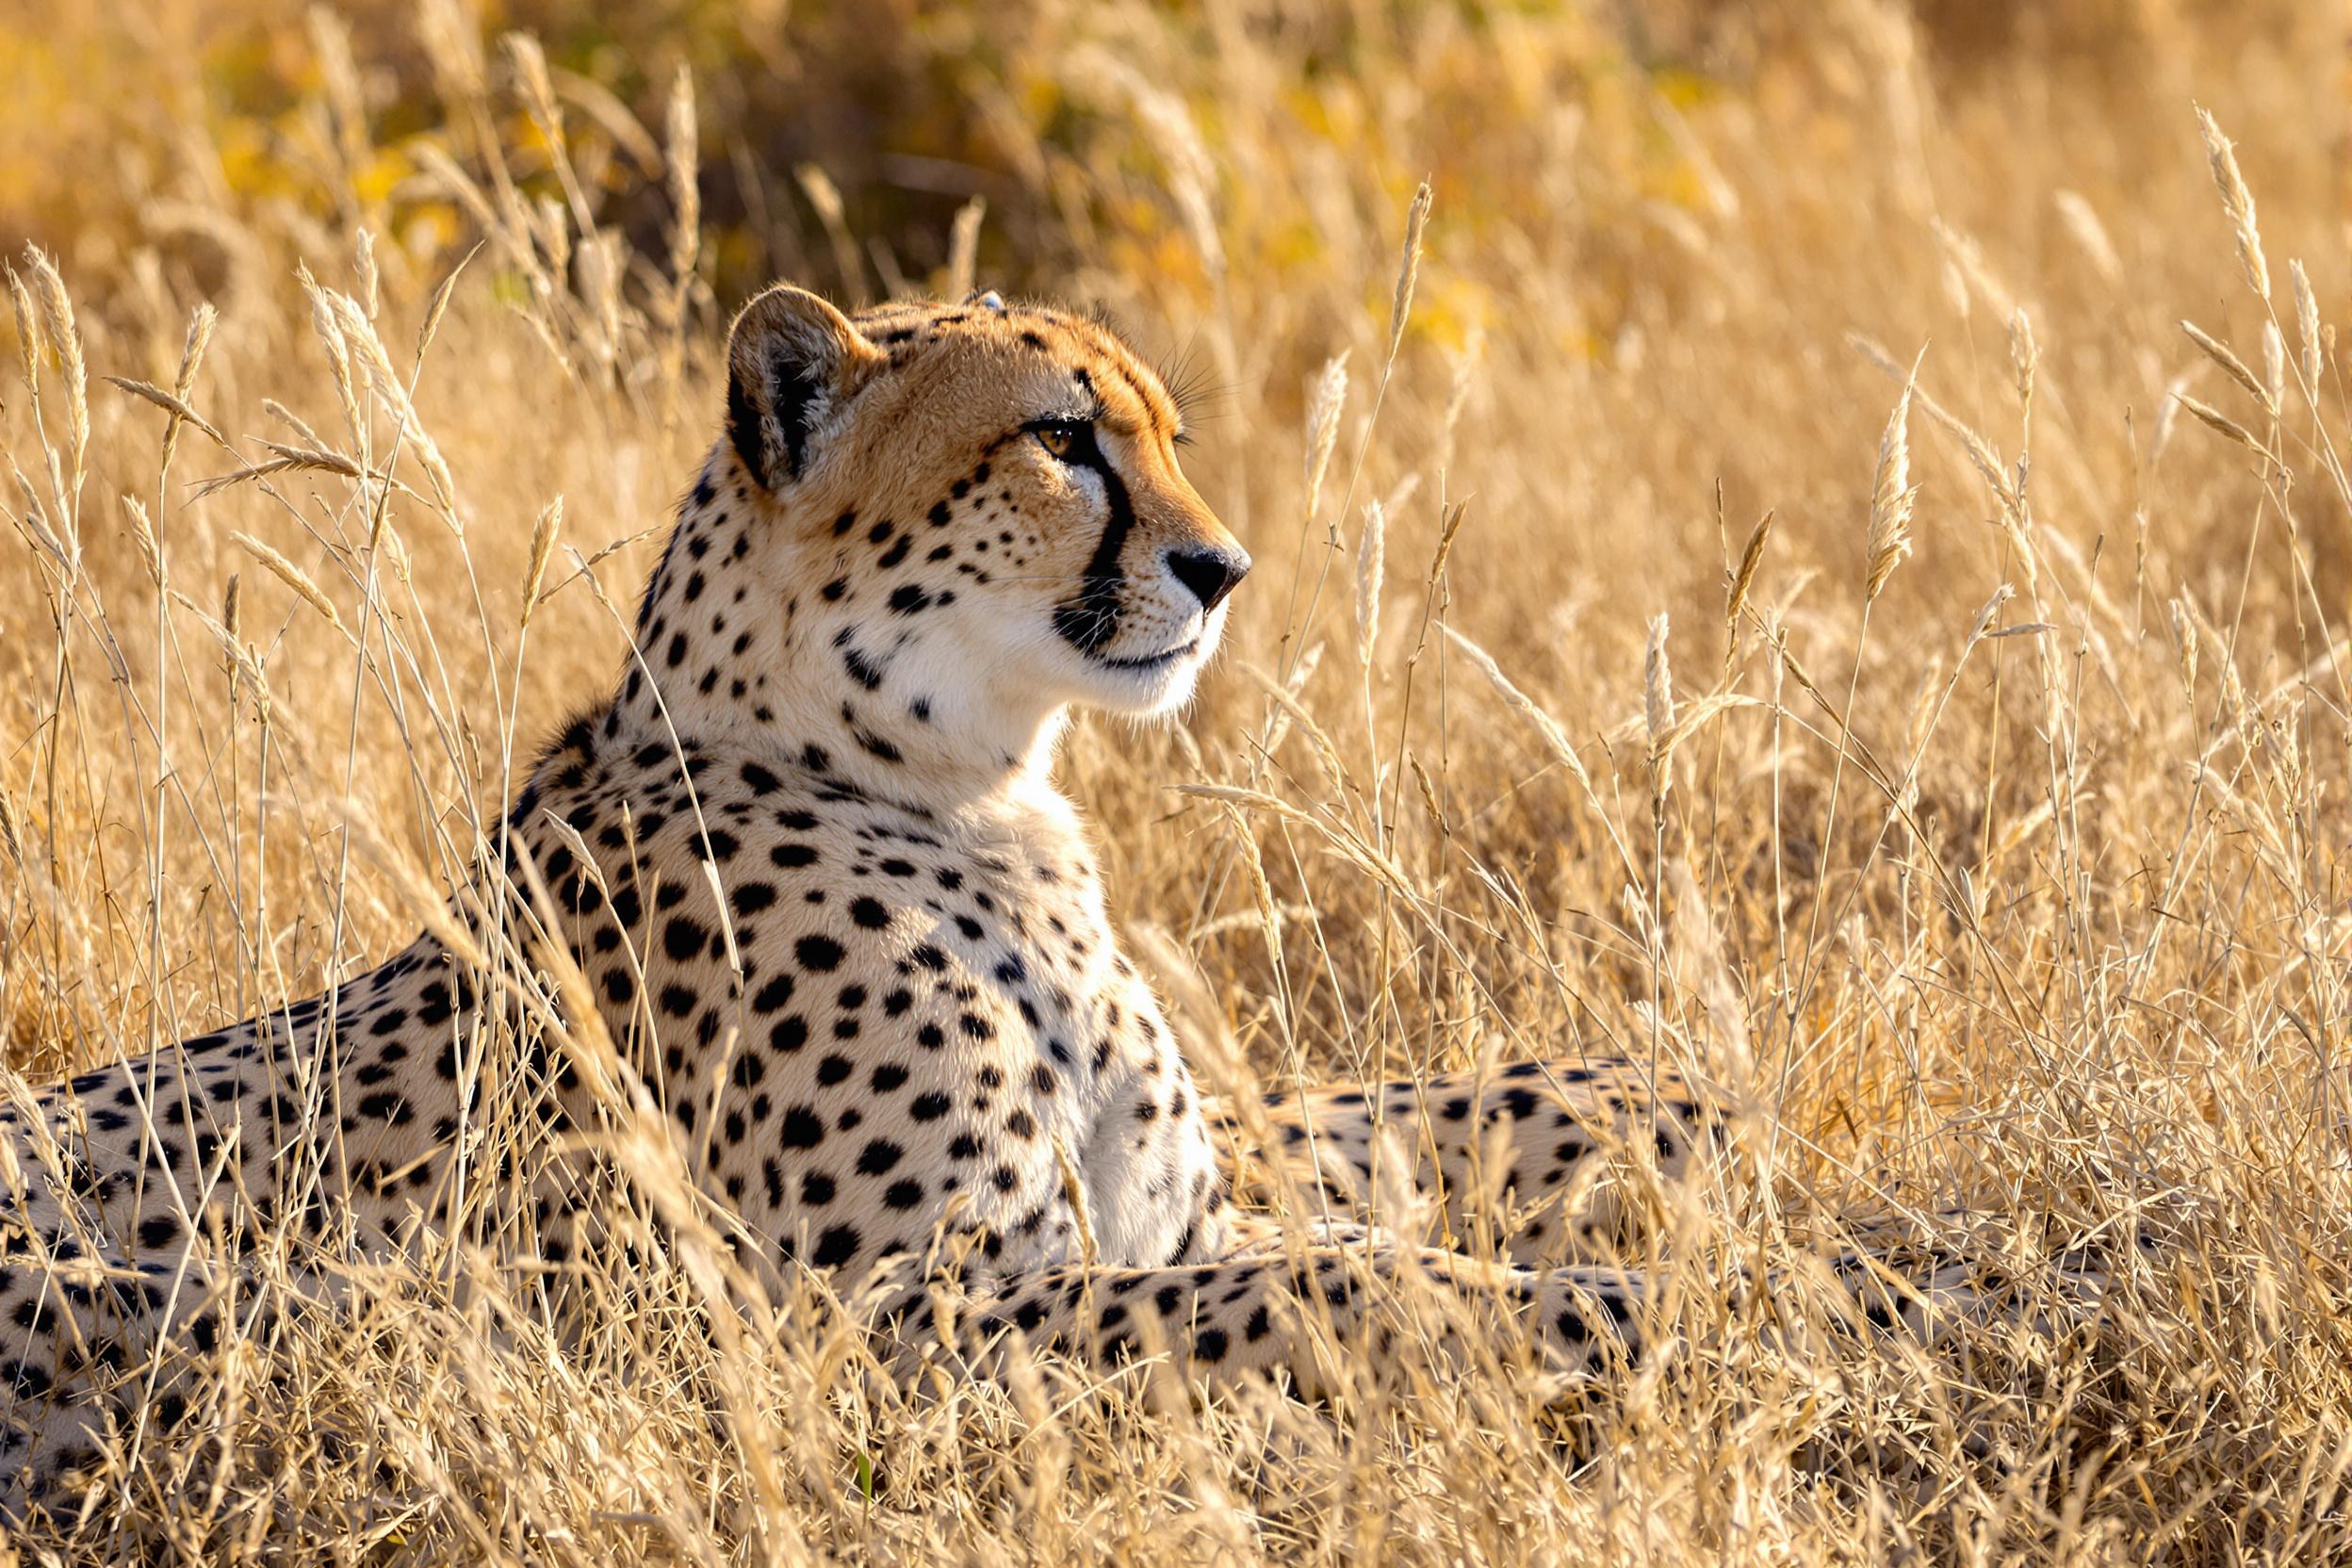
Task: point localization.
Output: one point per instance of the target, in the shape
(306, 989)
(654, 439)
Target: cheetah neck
(754, 637)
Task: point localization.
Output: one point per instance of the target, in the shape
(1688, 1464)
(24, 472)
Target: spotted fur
(922, 535)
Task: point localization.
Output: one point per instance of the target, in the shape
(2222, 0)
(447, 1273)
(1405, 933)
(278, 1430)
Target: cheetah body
(895, 1013)
(811, 869)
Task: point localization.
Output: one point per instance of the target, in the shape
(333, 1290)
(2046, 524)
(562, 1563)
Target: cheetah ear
(791, 361)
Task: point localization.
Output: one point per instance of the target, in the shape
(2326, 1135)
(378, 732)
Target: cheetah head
(985, 503)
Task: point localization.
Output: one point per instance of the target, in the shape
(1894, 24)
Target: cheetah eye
(1059, 437)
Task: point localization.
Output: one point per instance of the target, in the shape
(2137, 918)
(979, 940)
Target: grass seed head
(1371, 556)
(1892, 497)
(2237, 201)
(1400, 300)
(542, 536)
(2307, 328)
(1326, 398)
(289, 574)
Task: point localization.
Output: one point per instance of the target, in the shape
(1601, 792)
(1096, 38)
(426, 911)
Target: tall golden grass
(1827, 568)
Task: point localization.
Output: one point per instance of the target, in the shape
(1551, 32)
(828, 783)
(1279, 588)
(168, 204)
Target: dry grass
(1969, 825)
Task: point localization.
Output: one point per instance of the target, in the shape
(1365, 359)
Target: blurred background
(1987, 838)
(1624, 193)
(1676, 260)
(117, 117)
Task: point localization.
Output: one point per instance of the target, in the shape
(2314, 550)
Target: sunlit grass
(1775, 590)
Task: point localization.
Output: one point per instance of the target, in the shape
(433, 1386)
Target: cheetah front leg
(1299, 1309)
(1531, 1160)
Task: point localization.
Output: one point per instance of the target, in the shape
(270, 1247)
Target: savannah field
(1819, 552)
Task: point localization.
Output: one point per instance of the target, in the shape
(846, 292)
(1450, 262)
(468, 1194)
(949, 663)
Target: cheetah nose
(1210, 574)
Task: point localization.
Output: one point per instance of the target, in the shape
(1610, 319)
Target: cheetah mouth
(1151, 661)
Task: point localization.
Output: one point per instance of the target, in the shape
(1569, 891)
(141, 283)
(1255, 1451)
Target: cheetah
(811, 864)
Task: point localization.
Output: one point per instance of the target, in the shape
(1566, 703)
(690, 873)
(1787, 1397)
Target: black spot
(861, 669)
(389, 1107)
(684, 938)
(837, 1245)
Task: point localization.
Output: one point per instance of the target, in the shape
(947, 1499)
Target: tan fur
(906, 1007)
